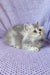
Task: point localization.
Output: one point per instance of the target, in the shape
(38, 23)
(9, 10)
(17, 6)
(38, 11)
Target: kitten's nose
(39, 32)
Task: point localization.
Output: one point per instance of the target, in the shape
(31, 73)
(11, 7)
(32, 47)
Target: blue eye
(35, 31)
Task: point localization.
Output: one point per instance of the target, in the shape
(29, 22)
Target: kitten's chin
(41, 36)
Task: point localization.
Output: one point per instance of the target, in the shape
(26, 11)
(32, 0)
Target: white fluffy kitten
(25, 36)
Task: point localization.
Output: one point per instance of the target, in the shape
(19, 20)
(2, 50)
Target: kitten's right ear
(37, 23)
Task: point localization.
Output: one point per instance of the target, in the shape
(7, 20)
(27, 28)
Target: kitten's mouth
(41, 34)
(41, 40)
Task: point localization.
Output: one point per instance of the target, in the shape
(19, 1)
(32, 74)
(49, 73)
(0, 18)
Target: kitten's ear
(37, 23)
(26, 27)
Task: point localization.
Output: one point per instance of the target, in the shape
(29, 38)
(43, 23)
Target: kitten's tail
(46, 43)
(6, 39)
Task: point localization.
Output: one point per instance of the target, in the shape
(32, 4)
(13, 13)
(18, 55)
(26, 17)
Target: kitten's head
(33, 31)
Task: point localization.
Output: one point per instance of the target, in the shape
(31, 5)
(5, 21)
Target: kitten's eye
(35, 31)
(39, 29)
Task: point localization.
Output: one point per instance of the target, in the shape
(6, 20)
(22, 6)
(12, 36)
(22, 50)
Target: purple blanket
(26, 11)
(22, 62)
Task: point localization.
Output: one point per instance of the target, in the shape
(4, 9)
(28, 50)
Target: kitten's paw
(17, 47)
(35, 49)
(14, 46)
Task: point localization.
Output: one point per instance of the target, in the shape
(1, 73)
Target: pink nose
(39, 32)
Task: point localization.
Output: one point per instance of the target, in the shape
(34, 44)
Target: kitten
(25, 36)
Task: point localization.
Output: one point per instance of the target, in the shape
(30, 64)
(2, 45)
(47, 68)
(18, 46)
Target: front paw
(35, 49)
(16, 46)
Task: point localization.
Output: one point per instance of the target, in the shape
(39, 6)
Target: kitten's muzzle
(40, 33)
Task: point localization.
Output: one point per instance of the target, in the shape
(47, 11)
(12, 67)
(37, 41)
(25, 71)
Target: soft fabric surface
(25, 11)
(22, 62)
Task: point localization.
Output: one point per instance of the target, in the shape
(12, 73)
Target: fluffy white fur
(25, 36)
